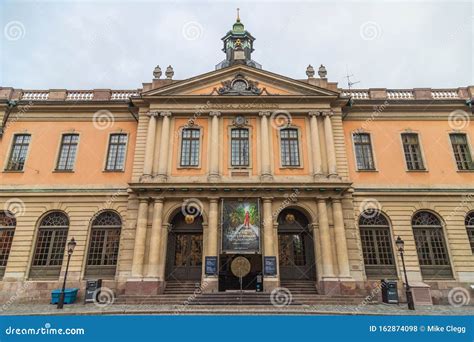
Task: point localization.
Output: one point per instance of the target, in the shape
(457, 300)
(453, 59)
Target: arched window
(104, 245)
(470, 228)
(7, 230)
(376, 245)
(50, 244)
(431, 246)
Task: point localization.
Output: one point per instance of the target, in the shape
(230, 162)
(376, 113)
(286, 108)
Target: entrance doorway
(228, 281)
(184, 251)
(295, 246)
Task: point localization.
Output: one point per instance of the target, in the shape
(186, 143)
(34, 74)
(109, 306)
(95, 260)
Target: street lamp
(70, 248)
(400, 245)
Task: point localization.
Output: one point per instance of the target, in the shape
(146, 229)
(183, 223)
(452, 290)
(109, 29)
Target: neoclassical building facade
(168, 184)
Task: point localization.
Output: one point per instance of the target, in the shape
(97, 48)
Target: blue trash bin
(70, 295)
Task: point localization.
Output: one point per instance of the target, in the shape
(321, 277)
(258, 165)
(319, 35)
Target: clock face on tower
(239, 85)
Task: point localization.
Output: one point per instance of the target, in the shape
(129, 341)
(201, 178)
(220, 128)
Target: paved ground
(372, 309)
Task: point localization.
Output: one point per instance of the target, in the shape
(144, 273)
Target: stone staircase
(187, 293)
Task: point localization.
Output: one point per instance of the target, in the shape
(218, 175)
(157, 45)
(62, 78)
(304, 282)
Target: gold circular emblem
(189, 219)
(240, 266)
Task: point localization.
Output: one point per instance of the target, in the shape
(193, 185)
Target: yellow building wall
(89, 169)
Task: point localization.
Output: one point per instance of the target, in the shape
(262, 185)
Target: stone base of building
(210, 284)
(269, 284)
(144, 287)
(39, 291)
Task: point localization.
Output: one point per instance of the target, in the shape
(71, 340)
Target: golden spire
(238, 15)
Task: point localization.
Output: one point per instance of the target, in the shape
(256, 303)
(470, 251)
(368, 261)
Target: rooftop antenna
(349, 82)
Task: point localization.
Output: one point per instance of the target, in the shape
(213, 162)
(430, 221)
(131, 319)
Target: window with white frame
(290, 155)
(19, 150)
(190, 140)
(67, 152)
(363, 151)
(461, 151)
(116, 152)
(412, 151)
(239, 147)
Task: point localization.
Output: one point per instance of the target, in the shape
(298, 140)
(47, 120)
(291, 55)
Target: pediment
(240, 80)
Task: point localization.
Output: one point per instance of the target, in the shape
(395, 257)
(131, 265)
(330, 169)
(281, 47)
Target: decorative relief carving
(240, 85)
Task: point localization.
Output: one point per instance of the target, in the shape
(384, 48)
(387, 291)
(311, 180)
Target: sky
(117, 44)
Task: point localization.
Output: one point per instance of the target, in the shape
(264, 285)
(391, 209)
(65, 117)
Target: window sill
(63, 171)
(292, 167)
(243, 168)
(188, 167)
(421, 170)
(465, 171)
(13, 171)
(113, 171)
(367, 170)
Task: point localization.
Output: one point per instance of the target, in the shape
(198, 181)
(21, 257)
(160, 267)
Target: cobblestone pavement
(372, 309)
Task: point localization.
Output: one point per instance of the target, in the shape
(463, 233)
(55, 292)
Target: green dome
(238, 27)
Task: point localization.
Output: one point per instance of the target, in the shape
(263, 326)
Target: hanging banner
(241, 226)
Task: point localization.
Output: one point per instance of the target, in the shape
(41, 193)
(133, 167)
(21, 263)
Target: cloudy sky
(116, 44)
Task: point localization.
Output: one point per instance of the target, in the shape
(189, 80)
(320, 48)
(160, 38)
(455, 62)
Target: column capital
(152, 114)
(143, 199)
(267, 199)
(165, 113)
(327, 113)
(213, 199)
(264, 113)
(314, 113)
(336, 200)
(215, 113)
(158, 199)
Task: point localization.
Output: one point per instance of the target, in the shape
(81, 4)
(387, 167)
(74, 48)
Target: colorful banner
(241, 226)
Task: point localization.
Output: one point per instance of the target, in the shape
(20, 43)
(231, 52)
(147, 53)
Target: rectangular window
(412, 150)
(363, 151)
(240, 147)
(190, 147)
(19, 149)
(461, 151)
(67, 153)
(116, 152)
(290, 155)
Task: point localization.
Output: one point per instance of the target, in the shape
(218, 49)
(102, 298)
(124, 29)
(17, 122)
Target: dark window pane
(116, 152)
(19, 149)
(461, 151)
(289, 147)
(363, 151)
(412, 151)
(67, 153)
(239, 147)
(190, 141)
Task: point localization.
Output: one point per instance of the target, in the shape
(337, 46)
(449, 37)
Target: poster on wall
(241, 226)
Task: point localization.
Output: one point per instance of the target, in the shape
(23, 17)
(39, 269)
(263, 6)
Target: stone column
(265, 150)
(155, 239)
(164, 146)
(330, 147)
(212, 246)
(150, 145)
(315, 147)
(163, 250)
(326, 254)
(340, 237)
(140, 239)
(269, 282)
(214, 141)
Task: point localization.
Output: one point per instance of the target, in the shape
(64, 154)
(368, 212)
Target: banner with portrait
(241, 226)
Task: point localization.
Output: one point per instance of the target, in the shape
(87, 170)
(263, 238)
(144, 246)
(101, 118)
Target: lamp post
(70, 248)
(400, 245)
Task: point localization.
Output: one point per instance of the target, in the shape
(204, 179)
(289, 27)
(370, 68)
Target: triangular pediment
(240, 80)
